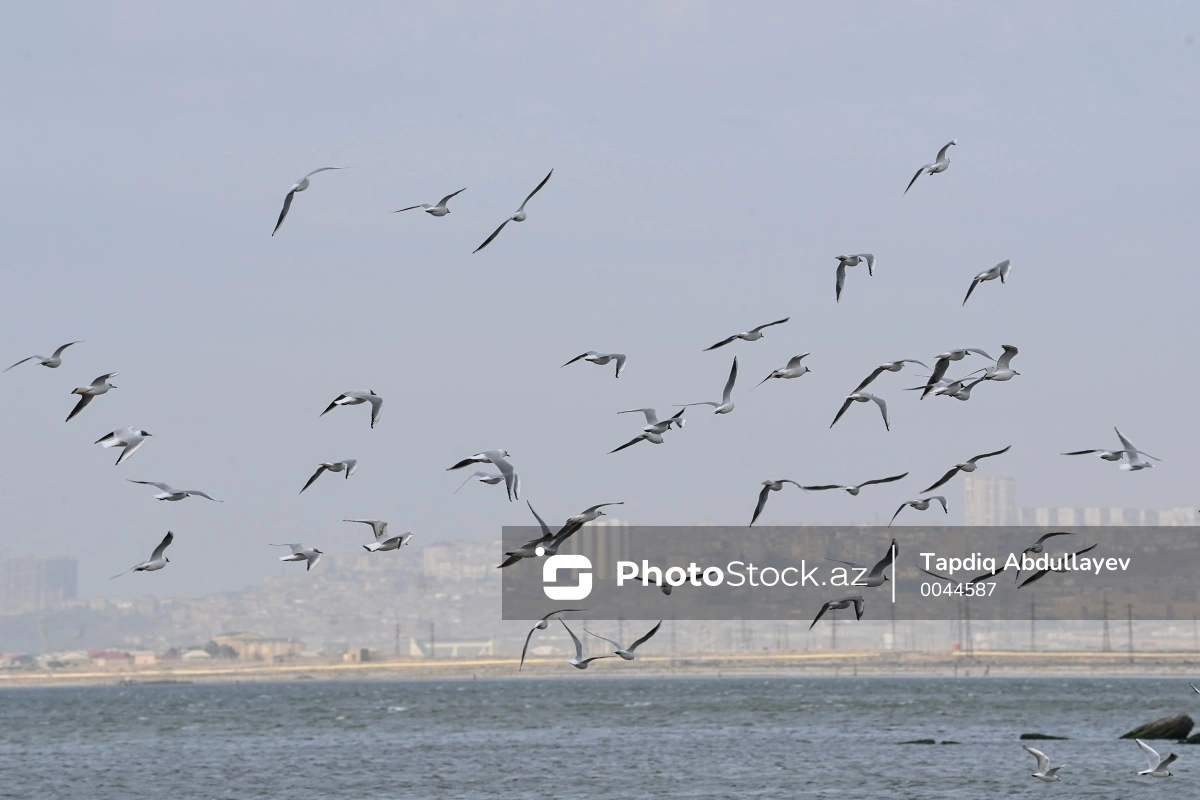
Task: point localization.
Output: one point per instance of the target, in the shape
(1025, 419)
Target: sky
(710, 161)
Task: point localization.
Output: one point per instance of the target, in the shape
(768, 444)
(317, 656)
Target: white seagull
(439, 210)
(593, 357)
(1158, 766)
(490, 478)
(1127, 451)
(765, 492)
(627, 652)
(157, 559)
(794, 369)
(379, 529)
(1044, 771)
(851, 261)
(499, 459)
(648, 436)
(853, 490)
(301, 553)
(1002, 371)
(299, 186)
(891, 366)
(86, 393)
(166, 492)
(356, 398)
(653, 424)
(726, 404)
(1041, 573)
(752, 335)
(863, 397)
(875, 576)
(835, 605)
(348, 466)
(919, 505)
(128, 439)
(941, 164)
(47, 361)
(518, 216)
(547, 543)
(999, 271)
(541, 625)
(579, 662)
(1039, 547)
(969, 465)
(582, 518)
(942, 364)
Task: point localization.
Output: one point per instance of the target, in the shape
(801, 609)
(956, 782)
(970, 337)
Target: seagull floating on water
(863, 397)
(157, 559)
(499, 459)
(999, 271)
(518, 216)
(794, 369)
(128, 439)
(854, 490)
(541, 625)
(1158, 766)
(970, 465)
(87, 393)
(1044, 771)
(299, 186)
(627, 653)
(891, 366)
(301, 553)
(768, 487)
(438, 210)
(601, 358)
(579, 662)
(47, 361)
(752, 335)
(348, 466)
(919, 505)
(357, 398)
(875, 576)
(726, 404)
(166, 492)
(851, 261)
(836, 605)
(940, 164)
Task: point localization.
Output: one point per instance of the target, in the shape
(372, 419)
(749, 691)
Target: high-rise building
(989, 501)
(36, 584)
(604, 542)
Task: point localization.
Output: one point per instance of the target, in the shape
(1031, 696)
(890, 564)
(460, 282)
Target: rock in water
(1176, 726)
(1040, 736)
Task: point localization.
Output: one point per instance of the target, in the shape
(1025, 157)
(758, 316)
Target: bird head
(372, 392)
(319, 552)
(77, 391)
(885, 577)
(145, 433)
(601, 514)
(166, 559)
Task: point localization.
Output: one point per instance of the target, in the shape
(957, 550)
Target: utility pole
(1106, 644)
(833, 631)
(432, 642)
(397, 652)
(970, 638)
(1032, 625)
(1129, 618)
(895, 644)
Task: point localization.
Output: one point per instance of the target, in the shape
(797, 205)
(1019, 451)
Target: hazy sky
(710, 161)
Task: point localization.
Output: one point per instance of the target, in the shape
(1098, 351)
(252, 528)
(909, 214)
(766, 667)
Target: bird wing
(620, 357)
(1006, 357)
(160, 486)
(22, 361)
(762, 501)
(446, 199)
(939, 371)
(941, 156)
(949, 474)
(575, 639)
(100, 381)
(870, 259)
(934, 574)
(989, 455)
(351, 466)
(495, 233)
(822, 487)
(854, 564)
(630, 443)
(769, 324)
(651, 414)
(287, 204)
(974, 283)
(842, 410)
(1041, 573)
(311, 562)
(535, 191)
(1087, 549)
(794, 361)
(130, 449)
(645, 638)
(882, 480)
(162, 546)
(1166, 762)
(1080, 452)
(725, 395)
(914, 179)
(1151, 754)
(884, 562)
(941, 500)
(376, 407)
(721, 343)
(506, 469)
(882, 410)
(332, 405)
(1128, 445)
(1043, 762)
(59, 351)
(898, 510)
(525, 647)
(408, 208)
(605, 638)
(320, 169)
(590, 509)
(987, 575)
(1002, 269)
(198, 493)
(841, 281)
(875, 373)
(820, 614)
(315, 475)
(581, 355)
(1046, 536)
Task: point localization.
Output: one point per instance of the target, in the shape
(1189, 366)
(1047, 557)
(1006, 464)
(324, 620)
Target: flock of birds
(1156, 767)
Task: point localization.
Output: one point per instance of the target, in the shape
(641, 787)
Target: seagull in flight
(627, 653)
(752, 335)
(166, 492)
(530, 548)
(891, 366)
(1128, 451)
(1045, 772)
(439, 210)
(875, 576)
(1041, 573)
(357, 398)
(920, 505)
(51, 361)
(648, 436)
(601, 358)
(965, 466)
(836, 605)
(940, 164)
(348, 466)
(1158, 767)
(157, 559)
(490, 478)
(653, 424)
(128, 439)
(301, 553)
(1039, 547)
(499, 459)
(768, 487)
(379, 529)
(518, 216)
(541, 625)
(999, 271)
(726, 404)
(942, 363)
(851, 261)
(854, 490)
(794, 369)
(299, 186)
(582, 518)
(1002, 371)
(86, 393)
(863, 397)
(579, 662)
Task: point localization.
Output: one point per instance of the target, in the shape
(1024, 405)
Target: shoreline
(844, 664)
